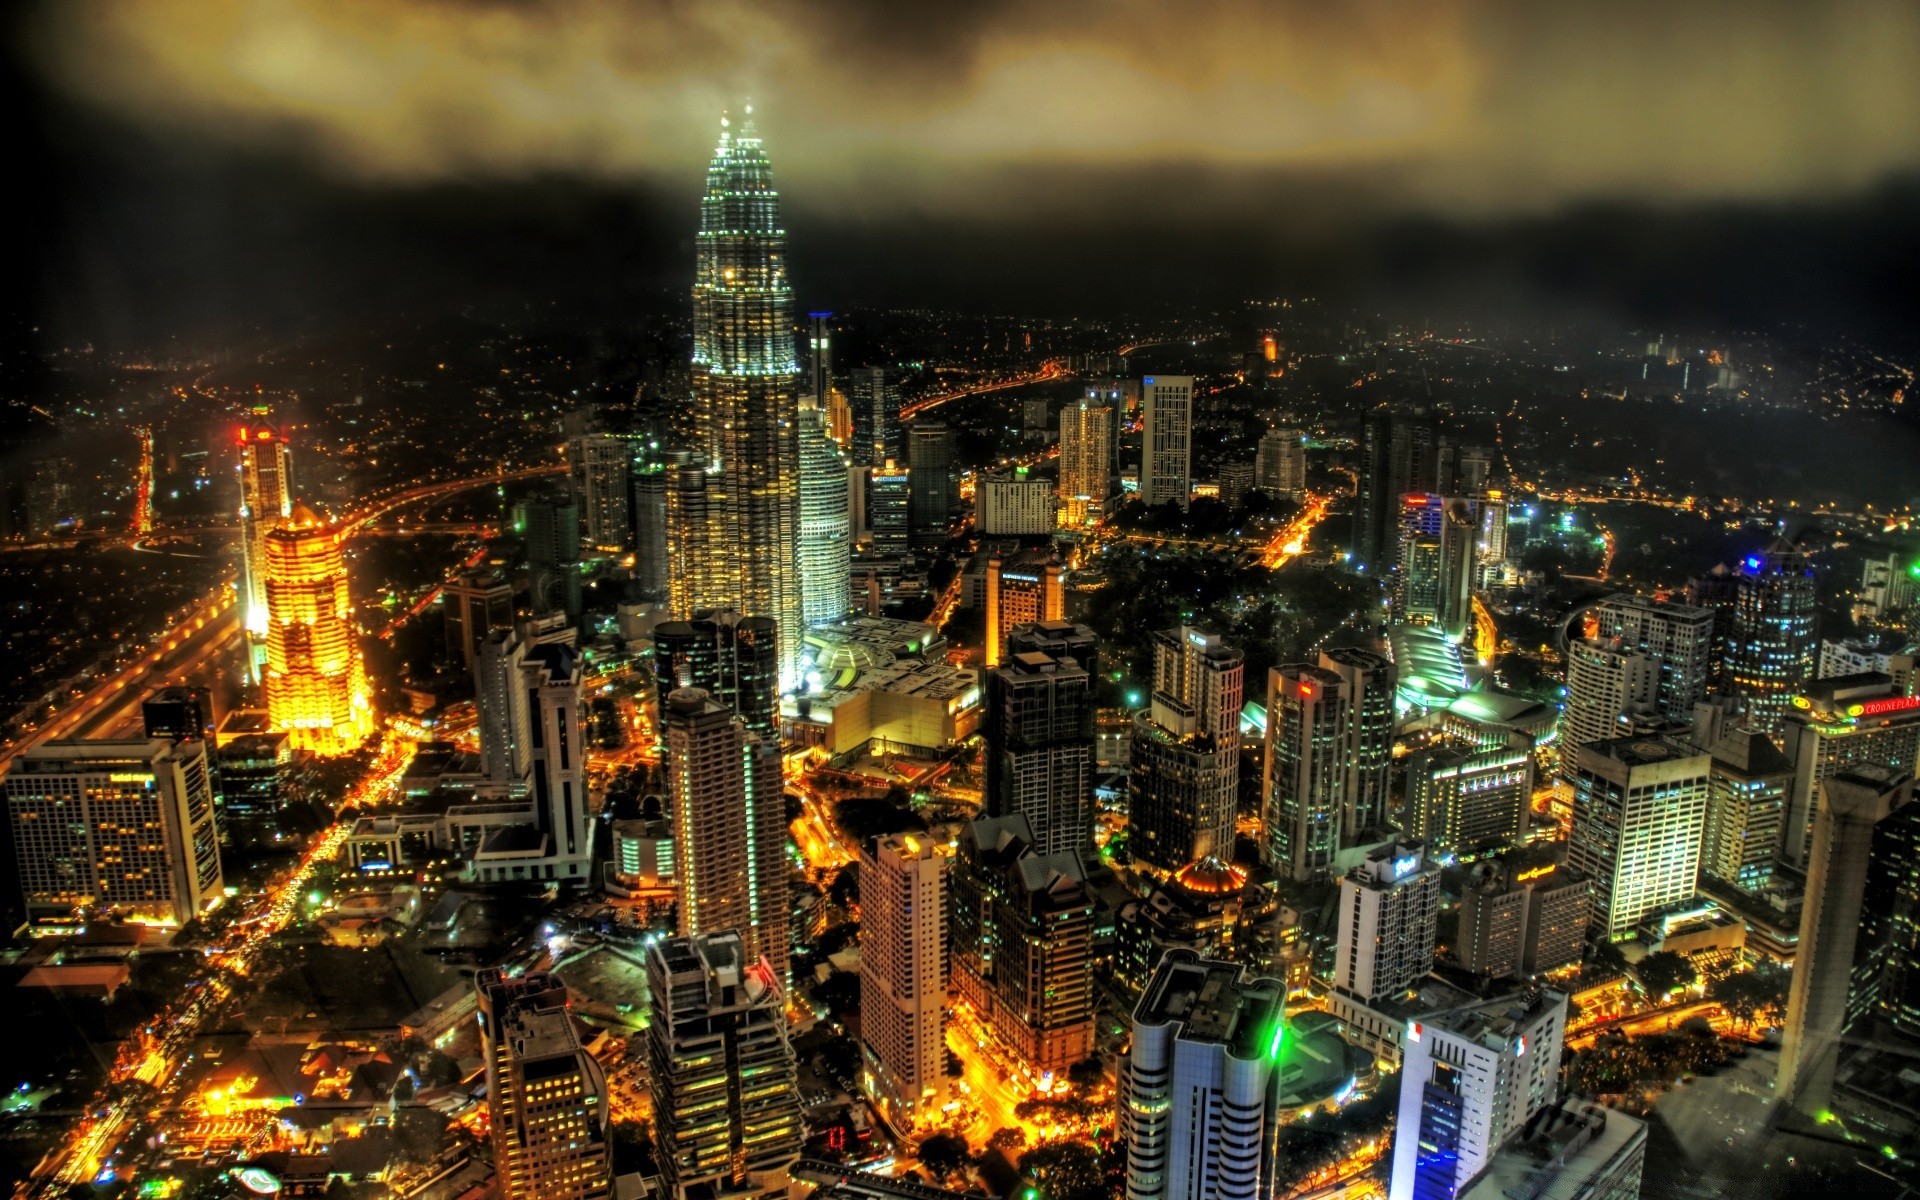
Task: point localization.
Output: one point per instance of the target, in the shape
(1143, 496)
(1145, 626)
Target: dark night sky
(198, 169)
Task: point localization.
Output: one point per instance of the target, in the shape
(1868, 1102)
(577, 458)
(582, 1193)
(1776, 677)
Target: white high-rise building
(1010, 505)
(724, 795)
(903, 989)
(826, 534)
(1201, 1092)
(1389, 911)
(1086, 458)
(1679, 637)
(1166, 445)
(1470, 1078)
(1608, 684)
(1639, 813)
(602, 470)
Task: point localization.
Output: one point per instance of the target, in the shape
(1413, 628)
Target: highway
(1288, 544)
(1053, 368)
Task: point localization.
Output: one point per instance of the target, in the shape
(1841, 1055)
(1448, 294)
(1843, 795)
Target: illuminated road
(1288, 544)
(1053, 368)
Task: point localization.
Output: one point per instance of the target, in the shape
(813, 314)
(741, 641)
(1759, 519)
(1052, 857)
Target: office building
(549, 526)
(730, 657)
(1201, 1090)
(253, 767)
(718, 1060)
(1236, 480)
(1086, 458)
(1679, 637)
(826, 530)
(1887, 586)
(1401, 453)
(1609, 685)
(1020, 590)
(601, 469)
(266, 499)
(1856, 656)
(1854, 801)
(547, 1104)
(653, 477)
(699, 571)
(503, 722)
(1470, 801)
(889, 509)
(473, 604)
(1304, 787)
(1439, 550)
(557, 762)
(178, 714)
(1184, 775)
(1166, 443)
(729, 826)
(1521, 915)
(115, 827)
(1746, 804)
(1471, 1079)
(903, 985)
(1773, 641)
(1388, 909)
(1639, 808)
(745, 379)
(1040, 735)
(1367, 746)
(934, 484)
(1022, 942)
(875, 399)
(315, 682)
(820, 359)
(1280, 464)
(1013, 505)
(1831, 723)
(1568, 1152)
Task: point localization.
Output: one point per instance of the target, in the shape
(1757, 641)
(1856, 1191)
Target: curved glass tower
(745, 374)
(826, 565)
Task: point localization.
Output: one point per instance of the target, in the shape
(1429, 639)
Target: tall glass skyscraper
(745, 378)
(1772, 646)
(826, 533)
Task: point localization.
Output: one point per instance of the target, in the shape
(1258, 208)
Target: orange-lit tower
(316, 684)
(266, 499)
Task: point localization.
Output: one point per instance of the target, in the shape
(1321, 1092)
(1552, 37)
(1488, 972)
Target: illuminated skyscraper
(697, 558)
(1166, 445)
(1086, 458)
(1389, 912)
(546, 1096)
(1773, 642)
(1305, 780)
(745, 376)
(1677, 636)
(316, 683)
(727, 656)
(1040, 735)
(1609, 685)
(1184, 780)
(1639, 809)
(1400, 452)
(1280, 464)
(729, 826)
(1833, 723)
(820, 358)
(266, 499)
(889, 509)
(723, 1076)
(876, 418)
(1020, 592)
(903, 986)
(1370, 681)
(935, 485)
(826, 541)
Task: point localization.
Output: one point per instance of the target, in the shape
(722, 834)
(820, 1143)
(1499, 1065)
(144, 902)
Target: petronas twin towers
(737, 525)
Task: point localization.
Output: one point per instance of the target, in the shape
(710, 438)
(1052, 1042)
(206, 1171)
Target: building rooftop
(1216, 1002)
(1641, 751)
(1496, 1022)
(1558, 1154)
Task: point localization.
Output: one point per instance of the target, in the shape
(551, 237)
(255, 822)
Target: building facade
(316, 683)
(1183, 780)
(547, 1102)
(1040, 737)
(1166, 444)
(903, 986)
(1389, 909)
(1639, 808)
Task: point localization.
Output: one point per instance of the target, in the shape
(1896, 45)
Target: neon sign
(1402, 865)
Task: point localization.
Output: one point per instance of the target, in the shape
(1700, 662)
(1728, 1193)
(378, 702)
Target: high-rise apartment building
(266, 499)
(1040, 735)
(1639, 806)
(1022, 942)
(473, 604)
(1401, 453)
(1831, 962)
(875, 399)
(1280, 463)
(1389, 907)
(1831, 723)
(1304, 787)
(1774, 639)
(903, 985)
(115, 826)
(1518, 914)
(745, 378)
(729, 826)
(1020, 591)
(1679, 637)
(890, 509)
(1166, 443)
(934, 483)
(1086, 458)
(721, 1070)
(1202, 1090)
(1184, 776)
(826, 531)
(547, 1102)
(316, 684)
(1608, 685)
(730, 657)
(1370, 680)
(601, 467)
(1013, 505)
(1471, 1079)
(1746, 803)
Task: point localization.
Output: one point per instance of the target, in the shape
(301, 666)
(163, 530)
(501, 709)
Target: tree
(943, 1154)
(1064, 1171)
(1088, 1072)
(1007, 1140)
(1665, 972)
